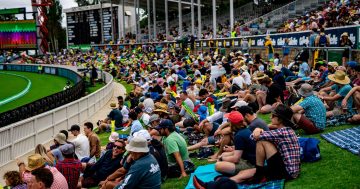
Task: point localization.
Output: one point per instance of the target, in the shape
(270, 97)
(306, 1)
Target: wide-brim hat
(333, 64)
(259, 76)
(160, 105)
(244, 68)
(306, 90)
(339, 77)
(161, 110)
(60, 138)
(137, 144)
(35, 161)
(345, 34)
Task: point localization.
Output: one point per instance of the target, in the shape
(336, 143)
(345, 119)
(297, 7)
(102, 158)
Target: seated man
(309, 114)
(341, 88)
(114, 115)
(175, 148)
(105, 166)
(144, 171)
(279, 147)
(273, 97)
(251, 120)
(243, 157)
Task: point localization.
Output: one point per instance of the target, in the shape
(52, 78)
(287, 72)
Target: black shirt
(274, 91)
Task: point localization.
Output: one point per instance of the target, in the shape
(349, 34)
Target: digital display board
(84, 27)
(19, 34)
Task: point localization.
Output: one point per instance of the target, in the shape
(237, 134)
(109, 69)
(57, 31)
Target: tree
(57, 37)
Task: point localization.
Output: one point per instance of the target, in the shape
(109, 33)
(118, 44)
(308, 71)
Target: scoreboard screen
(84, 27)
(18, 34)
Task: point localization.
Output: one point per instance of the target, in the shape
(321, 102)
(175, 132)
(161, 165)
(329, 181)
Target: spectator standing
(345, 42)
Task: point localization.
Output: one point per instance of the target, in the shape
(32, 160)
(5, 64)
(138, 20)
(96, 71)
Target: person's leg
(198, 145)
(264, 150)
(261, 98)
(356, 97)
(224, 141)
(266, 109)
(305, 124)
(243, 175)
(225, 167)
(354, 119)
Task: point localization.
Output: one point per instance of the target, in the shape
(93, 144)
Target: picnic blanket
(207, 173)
(348, 139)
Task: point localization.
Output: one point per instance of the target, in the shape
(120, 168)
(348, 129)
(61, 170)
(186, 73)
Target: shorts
(275, 169)
(307, 125)
(89, 182)
(243, 165)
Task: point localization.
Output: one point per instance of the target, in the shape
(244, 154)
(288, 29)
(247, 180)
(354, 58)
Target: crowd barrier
(296, 39)
(21, 137)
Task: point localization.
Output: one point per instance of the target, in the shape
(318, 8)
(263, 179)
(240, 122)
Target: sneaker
(193, 154)
(198, 184)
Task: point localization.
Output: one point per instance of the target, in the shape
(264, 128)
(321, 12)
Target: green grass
(17, 85)
(42, 85)
(337, 168)
(128, 87)
(92, 89)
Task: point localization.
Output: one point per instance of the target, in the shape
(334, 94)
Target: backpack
(309, 149)
(323, 41)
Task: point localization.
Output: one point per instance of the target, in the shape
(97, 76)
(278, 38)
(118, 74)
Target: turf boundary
(18, 95)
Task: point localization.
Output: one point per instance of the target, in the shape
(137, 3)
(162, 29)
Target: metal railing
(21, 137)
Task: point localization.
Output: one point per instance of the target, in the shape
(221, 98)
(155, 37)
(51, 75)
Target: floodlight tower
(41, 7)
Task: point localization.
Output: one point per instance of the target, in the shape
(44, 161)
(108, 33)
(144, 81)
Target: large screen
(19, 34)
(84, 27)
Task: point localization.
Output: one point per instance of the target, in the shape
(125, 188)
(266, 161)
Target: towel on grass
(207, 173)
(348, 139)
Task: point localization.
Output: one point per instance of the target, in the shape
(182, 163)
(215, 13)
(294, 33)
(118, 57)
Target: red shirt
(70, 168)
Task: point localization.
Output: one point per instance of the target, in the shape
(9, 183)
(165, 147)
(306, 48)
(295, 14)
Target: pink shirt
(59, 180)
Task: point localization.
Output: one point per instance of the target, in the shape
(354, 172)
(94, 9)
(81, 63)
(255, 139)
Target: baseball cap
(67, 149)
(239, 104)
(166, 123)
(245, 110)
(154, 117)
(74, 128)
(234, 117)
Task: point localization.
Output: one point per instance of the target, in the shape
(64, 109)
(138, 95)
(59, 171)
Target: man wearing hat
(341, 88)
(114, 115)
(81, 142)
(313, 120)
(279, 147)
(70, 167)
(36, 161)
(175, 148)
(243, 156)
(145, 170)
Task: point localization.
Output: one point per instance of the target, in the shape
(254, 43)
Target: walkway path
(101, 114)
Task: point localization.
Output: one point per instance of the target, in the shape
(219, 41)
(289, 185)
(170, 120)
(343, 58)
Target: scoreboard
(84, 26)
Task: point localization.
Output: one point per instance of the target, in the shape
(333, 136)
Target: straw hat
(35, 161)
(137, 144)
(345, 34)
(160, 105)
(333, 64)
(244, 68)
(259, 76)
(339, 77)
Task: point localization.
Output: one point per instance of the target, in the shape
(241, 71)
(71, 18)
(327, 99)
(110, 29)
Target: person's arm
(330, 98)
(271, 136)
(93, 146)
(296, 108)
(21, 166)
(221, 127)
(325, 89)
(180, 162)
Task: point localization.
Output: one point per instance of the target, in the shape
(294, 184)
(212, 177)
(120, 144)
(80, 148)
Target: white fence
(20, 138)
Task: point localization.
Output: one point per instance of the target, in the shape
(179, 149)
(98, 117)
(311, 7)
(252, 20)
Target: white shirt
(149, 103)
(125, 113)
(82, 146)
(247, 77)
(239, 81)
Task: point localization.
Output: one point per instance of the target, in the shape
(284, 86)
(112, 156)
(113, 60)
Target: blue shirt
(315, 111)
(343, 91)
(304, 68)
(243, 142)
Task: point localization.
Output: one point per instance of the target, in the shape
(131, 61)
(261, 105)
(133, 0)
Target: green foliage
(57, 34)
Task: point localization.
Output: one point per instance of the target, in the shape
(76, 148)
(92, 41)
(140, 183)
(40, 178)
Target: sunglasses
(119, 147)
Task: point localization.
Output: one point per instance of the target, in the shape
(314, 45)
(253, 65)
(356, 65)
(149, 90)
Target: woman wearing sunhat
(342, 88)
